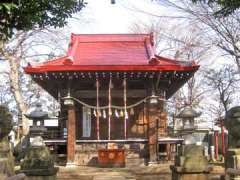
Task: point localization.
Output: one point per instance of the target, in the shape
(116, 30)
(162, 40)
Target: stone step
(96, 177)
(134, 162)
(74, 177)
(106, 177)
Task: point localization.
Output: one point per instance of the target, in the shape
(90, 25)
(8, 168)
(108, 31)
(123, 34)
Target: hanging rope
(59, 101)
(125, 107)
(118, 107)
(98, 113)
(145, 120)
(109, 108)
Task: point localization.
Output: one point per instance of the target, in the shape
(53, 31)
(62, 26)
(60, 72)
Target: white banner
(86, 112)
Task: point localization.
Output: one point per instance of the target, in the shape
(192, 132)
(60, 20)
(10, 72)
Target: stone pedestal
(38, 164)
(232, 164)
(232, 156)
(6, 158)
(178, 173)
(190, 164)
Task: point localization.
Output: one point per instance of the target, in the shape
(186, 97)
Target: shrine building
(112, 89)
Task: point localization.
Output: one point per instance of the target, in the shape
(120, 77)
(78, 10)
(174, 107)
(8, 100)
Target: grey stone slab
(108, 177)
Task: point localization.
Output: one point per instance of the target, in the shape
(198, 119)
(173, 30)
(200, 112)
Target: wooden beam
(137, 93)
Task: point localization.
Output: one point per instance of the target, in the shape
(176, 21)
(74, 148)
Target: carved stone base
(38, 164)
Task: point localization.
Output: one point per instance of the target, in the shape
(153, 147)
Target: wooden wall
(136, 124)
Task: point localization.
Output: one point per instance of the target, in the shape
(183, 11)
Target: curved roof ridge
(128, 51)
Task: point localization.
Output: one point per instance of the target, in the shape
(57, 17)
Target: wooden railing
(54, 134)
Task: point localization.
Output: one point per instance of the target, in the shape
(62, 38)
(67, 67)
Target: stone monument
(232, 158)
(38, 163)
(6, 157)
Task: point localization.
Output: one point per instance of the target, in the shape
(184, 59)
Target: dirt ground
(160, 171)
(156, 172)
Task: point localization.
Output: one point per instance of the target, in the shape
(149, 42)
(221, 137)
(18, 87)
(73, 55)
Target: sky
(103, 17)
(100, 16)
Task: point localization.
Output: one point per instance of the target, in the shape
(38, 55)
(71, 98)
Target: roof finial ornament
(152, 38)
(68, 60)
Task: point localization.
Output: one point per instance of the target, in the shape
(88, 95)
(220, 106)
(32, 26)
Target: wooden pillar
(71, 137)
(223, 138)
(169, 151)
(152, 130)
(216, 145)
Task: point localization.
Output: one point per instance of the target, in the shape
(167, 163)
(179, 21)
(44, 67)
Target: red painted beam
(30, 70)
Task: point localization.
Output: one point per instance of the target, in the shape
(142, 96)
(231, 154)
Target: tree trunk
(238, 63)
(16, 90)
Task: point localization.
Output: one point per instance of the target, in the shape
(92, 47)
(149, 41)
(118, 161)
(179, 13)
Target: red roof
(111, 52)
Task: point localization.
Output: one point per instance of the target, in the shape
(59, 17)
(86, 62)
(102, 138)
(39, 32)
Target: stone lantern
(38, 163)
(187, 115)
(37, 116)
(190, 162)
